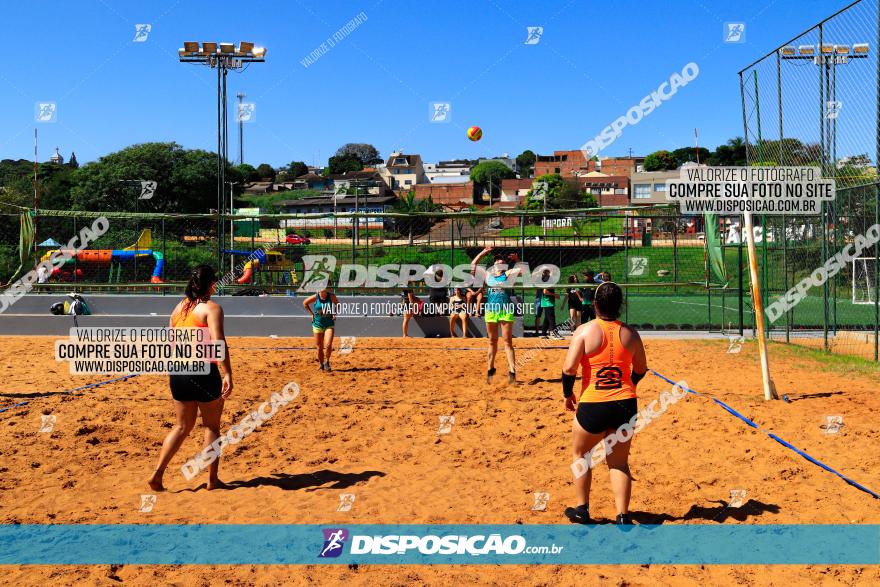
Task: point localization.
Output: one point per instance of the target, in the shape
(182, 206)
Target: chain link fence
(655, 253)
(813, 101)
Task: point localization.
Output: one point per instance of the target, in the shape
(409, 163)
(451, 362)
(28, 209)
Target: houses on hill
(613, 181)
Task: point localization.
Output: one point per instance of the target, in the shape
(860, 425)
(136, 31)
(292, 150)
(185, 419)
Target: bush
(328, 233)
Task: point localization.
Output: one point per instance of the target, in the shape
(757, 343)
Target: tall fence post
(877, 195)
(164, 256)
(452, 243)
(742, 95)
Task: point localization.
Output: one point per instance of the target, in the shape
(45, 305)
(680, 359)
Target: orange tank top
(190, 320)
(607, 374)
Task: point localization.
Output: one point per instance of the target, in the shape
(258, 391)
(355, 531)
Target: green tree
(560, 193)
(266, 172)
(660, 161)
(73, 163)
(526, 163)
(409, 204)
(365, 152)
(733, 153)
(247, 172)
(343, 163)
(186, 180)
(580, 226)
(474, 222)
(296, 168)
(686, 154)
(488, 175)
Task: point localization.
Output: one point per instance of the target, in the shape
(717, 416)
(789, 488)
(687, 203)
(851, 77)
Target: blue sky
(594, 61)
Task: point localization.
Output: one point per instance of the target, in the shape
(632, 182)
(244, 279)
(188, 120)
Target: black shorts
(197, 388)
(587, 313)
(597, 417)
(575, 305)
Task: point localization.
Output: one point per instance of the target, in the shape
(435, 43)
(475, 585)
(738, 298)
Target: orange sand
(370, 428)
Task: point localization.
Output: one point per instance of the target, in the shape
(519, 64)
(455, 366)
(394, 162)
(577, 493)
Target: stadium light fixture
(245, 48)
(860, 49)
(259, 52)
(806, 50)
(227, 48)
(841, 49)
(788, 51)
(826, 49)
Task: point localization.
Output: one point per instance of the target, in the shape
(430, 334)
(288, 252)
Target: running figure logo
(46, 112)
(440, 112)
(735, 345)
(47, 423)
(833, 424)
(539, 190)
(141, 32)
(346, 345)
(541, 501)
(346, 502)
(833, 109)
(446, 423)
(247, 112)
(737, 498)
(147, 503)
(334, 540)
(318, 269)
(638, 266)
(534, 35)
(148, 189)
(734, 32)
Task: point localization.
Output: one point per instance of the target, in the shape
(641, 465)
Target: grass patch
(825, 361)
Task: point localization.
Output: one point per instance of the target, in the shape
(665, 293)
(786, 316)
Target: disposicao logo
(334, 540)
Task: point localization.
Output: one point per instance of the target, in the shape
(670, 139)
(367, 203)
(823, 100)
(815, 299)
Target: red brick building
(565, 163)
(608, 190)
(448, 194)
(621, 165)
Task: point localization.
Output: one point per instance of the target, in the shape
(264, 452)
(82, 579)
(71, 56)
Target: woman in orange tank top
(613, 359)
(197, 393)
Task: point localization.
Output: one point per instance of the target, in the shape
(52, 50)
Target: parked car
(295, 239)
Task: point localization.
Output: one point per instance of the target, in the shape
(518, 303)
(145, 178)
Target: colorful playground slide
(255, 259)
(105, 257)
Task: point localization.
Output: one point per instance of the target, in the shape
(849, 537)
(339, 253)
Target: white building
(448, 172)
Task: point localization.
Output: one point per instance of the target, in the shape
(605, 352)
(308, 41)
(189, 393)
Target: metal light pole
(223, 57)
(240, 97)
(231, 221)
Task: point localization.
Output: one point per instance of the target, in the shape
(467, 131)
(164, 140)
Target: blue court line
(773, 436)
(89, 386)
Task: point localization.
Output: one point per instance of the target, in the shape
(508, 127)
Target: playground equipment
(107, 257)
(270, 261)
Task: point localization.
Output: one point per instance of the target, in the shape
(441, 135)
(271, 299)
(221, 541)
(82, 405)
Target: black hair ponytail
(199, 286)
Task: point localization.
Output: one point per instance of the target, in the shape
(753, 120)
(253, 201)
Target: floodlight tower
(222, 57)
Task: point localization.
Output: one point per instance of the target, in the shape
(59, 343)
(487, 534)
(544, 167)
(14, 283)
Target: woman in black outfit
(575, 302)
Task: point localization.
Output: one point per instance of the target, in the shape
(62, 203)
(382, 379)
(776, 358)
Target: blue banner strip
(784, 443)
(217, 544)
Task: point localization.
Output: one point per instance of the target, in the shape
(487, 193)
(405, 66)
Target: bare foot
(155, 482)
(216, 484)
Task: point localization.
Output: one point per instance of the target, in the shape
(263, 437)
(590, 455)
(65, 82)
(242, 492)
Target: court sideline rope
(773, 436)
(89, 386)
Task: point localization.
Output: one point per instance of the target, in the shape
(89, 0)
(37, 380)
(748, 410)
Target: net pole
(757, 302)
(749, 235)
